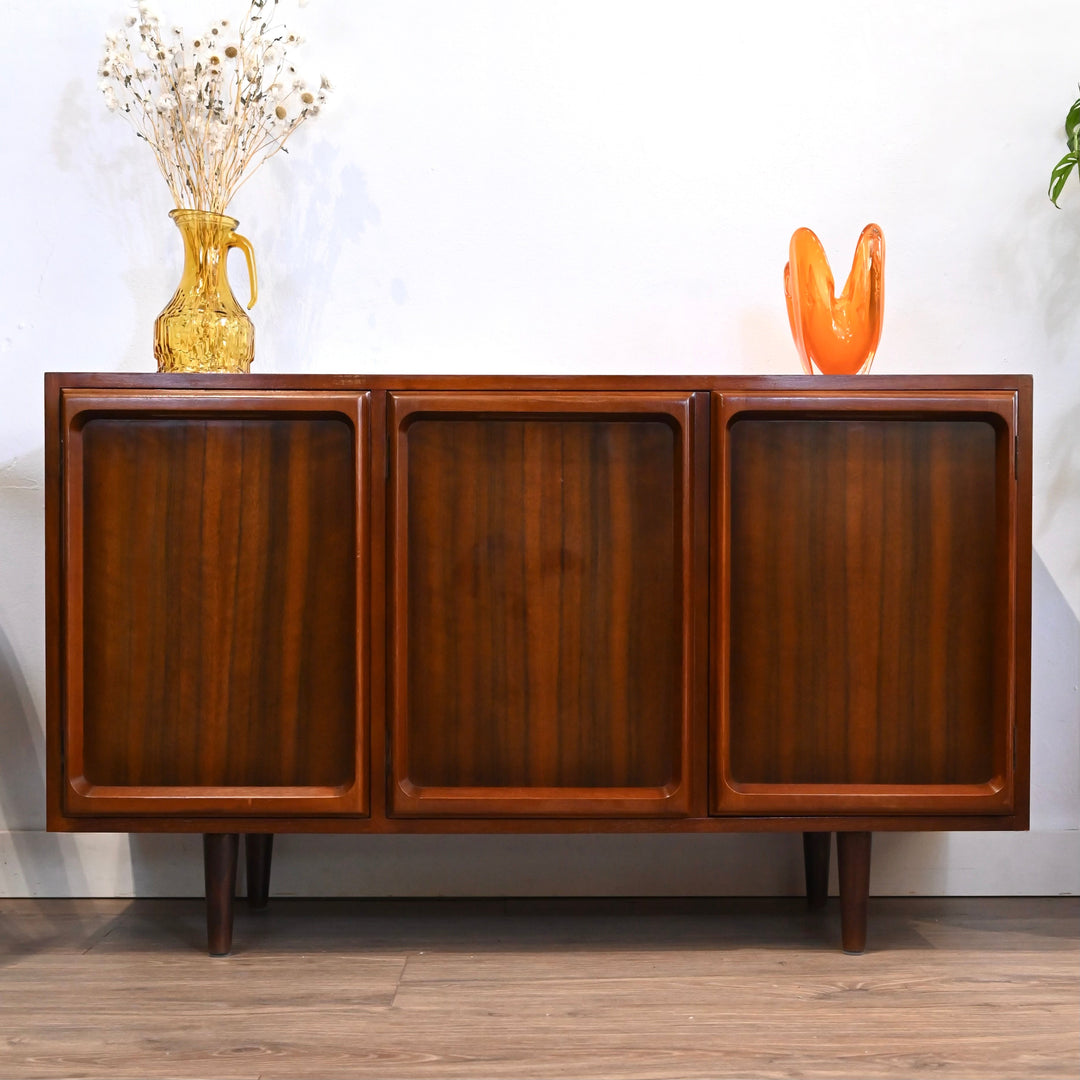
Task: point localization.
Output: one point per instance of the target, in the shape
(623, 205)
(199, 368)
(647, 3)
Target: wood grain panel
(542, 618)
(544, 603)
(219, 559)
(864, 606)
(869, 600)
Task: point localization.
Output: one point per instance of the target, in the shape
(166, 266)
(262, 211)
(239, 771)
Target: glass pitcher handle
(242, 242)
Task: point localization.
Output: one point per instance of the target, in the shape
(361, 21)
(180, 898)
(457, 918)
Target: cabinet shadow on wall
(39, 856)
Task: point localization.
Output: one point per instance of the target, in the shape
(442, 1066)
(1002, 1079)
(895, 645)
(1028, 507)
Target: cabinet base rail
(220, 851)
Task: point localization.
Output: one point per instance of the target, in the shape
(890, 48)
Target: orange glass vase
(837, 335)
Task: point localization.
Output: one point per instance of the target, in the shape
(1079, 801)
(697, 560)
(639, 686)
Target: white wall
(567, 186)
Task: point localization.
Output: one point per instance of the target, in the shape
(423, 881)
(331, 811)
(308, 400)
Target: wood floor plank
(615, 989)
(388, 1044)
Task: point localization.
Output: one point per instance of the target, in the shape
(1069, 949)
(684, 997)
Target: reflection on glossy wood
(219, 560)
(867, 601)
(543, 602)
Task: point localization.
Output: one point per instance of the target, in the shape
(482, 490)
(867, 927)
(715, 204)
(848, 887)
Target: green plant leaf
(1060, 174)
(1072, 128)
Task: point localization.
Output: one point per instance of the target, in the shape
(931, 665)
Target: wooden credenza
(382, 604)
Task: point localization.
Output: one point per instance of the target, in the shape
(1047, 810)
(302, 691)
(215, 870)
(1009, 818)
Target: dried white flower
(212, 109)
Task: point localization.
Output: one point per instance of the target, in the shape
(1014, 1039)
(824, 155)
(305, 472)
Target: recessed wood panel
(543, 630)
(219, 630)
(543, 603)
(869, 603)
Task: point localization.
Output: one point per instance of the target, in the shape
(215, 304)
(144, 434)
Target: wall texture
(567, 186)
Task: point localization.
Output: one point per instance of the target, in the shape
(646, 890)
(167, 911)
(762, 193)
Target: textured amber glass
(836, 334)
(203, 327)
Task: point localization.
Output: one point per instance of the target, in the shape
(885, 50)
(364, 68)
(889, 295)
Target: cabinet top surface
(802, 384)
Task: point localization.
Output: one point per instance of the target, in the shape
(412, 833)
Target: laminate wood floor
(610, 988)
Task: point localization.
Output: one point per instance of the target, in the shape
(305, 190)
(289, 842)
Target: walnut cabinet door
(213, 602)
(546, 641)
(871, 625)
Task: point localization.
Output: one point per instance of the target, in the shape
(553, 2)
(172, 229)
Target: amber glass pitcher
(203, 327)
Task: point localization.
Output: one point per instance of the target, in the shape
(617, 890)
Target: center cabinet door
(545, 636)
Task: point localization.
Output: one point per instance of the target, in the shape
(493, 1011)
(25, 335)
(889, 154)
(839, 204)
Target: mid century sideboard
(399, 604)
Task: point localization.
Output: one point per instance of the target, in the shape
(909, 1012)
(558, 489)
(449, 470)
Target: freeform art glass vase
(836, 334)
(203, 327)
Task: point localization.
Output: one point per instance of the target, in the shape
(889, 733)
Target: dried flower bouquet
(215, 108)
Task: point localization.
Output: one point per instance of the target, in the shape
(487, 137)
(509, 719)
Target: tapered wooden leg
(258, 849)
(816, 850)
(219, 861)
(853, 863)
